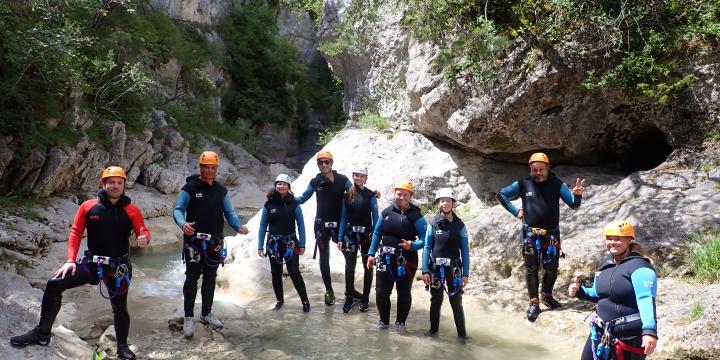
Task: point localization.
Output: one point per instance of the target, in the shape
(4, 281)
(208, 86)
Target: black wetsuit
(360, 212)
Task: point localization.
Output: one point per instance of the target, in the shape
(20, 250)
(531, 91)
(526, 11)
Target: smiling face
(445, 204)
(359, 179)
(402, 198)
(114, 187)
(324, 165)
(539, 171)
(618, 246)
(282, 188)
(208, 172)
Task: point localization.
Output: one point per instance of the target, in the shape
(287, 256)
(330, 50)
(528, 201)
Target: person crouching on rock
(446, 261)
(359, 213)
(625, 286)
(109, 220)
(398, 235)
(540, 213)
(278, 218)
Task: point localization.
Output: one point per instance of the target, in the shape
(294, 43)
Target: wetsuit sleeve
(77, 229)
(464, 251)
(305, 195)
(230, 214)
(587, 293)
(348, 184)
(644, 281)
(374, 209)
(300, 225)
(572, 200)
(137, 221)
(429, 242)
(420, 226)
(343, 222)
(375, 238)
(510, 192)
(181, 204)
(263, 228)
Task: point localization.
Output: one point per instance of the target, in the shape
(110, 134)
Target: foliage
(696, 310)
(347, 39)
(705, 257)
(372, 120)
(313, 7)
(643, 43)
(328, 134)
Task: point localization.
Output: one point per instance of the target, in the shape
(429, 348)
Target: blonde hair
(638, 249)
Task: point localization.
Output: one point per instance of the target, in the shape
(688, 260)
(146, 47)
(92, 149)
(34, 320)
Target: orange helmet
(323, 154)
(111, 171)
(404, 184)
(209, 158)
(541, 157)
(619, 228)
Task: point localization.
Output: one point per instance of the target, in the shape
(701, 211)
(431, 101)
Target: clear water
(326, 332)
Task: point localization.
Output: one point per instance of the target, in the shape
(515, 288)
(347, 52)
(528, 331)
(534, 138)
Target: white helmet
(445, 193)
(360, 170)
(284, 178)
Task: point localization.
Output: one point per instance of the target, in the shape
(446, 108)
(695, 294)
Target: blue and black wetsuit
(330, 195)
(392, 227)
(359, 214)
(541, 209)
(620, 290)
(277, 220)
(206, 205)
(449, 240)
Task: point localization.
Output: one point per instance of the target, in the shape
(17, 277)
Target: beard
(538, 178)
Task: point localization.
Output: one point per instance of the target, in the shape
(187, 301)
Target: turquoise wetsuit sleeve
(343, 222)
(300, 225)
(348, 184)
(510, 192)
(230, 214)
(375, 238)
(420, 226)
(589, 292)
(374, 209)
(572, 200)
(305, 195)
(429, 242)
(263, 228)
(644, 281)
(181, 204)
(464, 251)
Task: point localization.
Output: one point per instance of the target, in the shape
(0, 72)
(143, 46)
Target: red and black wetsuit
(108, 228)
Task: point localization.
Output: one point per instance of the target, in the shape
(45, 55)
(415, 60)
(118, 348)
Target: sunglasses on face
(324, 162)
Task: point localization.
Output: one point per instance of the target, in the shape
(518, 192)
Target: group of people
(388, 241)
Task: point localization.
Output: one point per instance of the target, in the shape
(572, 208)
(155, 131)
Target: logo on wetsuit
(649, 284)
(529, 193)
(272, 211)
(95, 217)
(198, 195)
(438, 232)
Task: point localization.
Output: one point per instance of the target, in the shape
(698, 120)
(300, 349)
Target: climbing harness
(353, 240)
(117, 268)
(602, 340)
(385, 263)
(321, 229)
(439, 274)
(212, 247)
(280, 248)
(533, 241)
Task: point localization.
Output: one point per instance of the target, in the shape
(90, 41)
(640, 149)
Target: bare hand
(340, 245)
(188, 228)
(406, 244)
(575, 286)
(370, 262)
(61, 272)
(579, 187)
(301, 251)
(520, 214)
(426, 279)
(465, 280)
(243, 230)
(377, 194)
(142, 241)
(261, 253)
(648, 343)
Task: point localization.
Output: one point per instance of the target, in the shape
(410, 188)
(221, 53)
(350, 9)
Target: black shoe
(123, 352)
(549, 301)
(348, 305)
(329, 297)
(33, 336)
(431, 333)
(533, 310)
(364, 306)
(278, 305)
(306, 306)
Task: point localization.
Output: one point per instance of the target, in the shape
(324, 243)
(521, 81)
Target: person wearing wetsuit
(278, 218)
(446, 253)
(359, 213)
(625, 287)
(540, 193)
(329, 187)
(199, 210)
(109, 220)
(398, 234)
